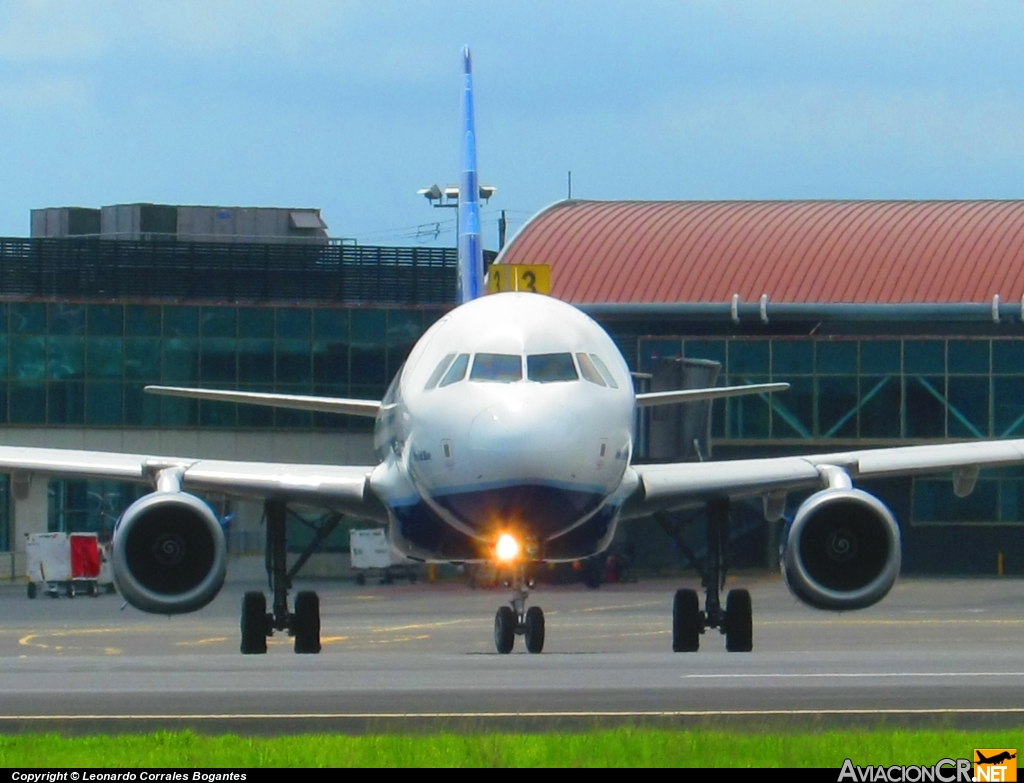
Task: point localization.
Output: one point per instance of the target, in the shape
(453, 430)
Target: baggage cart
(62, 563)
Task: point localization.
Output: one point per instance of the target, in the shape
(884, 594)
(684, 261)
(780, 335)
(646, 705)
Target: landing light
(507, 548)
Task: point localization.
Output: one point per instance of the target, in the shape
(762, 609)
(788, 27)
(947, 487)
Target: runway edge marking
(841, 675)
(524, 714)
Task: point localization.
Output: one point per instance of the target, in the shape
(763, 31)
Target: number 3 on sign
(535, 278)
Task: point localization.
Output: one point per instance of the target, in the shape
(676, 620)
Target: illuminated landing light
(507, 548)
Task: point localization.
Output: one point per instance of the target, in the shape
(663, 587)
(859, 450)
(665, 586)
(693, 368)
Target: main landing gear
(517, 620)
(688, 621)
(304, 623)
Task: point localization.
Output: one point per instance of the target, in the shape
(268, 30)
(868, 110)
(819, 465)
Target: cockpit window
(457, 371)
(435, 376)
(550, 367)
(589, 370)
(497, 367)
(604, 371)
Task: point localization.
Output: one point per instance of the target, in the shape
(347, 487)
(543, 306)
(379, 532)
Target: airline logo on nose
(995, 764)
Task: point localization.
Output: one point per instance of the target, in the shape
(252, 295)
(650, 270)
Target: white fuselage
(513, 412)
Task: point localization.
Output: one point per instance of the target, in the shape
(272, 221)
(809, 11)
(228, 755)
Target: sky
(353, 106)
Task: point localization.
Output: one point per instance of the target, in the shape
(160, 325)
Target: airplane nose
(512, 428)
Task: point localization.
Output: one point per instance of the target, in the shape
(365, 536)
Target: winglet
(471, 254)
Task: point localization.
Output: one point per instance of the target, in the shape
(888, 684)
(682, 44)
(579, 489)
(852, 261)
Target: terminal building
(894, 323)
(87, 320)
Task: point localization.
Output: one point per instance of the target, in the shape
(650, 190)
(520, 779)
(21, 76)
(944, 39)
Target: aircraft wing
(296, 402)
(343, 488)
(649, 399)
(677, 485)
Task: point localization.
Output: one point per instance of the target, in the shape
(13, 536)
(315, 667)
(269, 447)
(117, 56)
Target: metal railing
(227, 272)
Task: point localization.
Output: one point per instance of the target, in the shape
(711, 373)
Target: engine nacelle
(168, 554)
(843, 550)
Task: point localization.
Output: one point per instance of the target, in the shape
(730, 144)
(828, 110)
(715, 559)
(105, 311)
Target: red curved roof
(793, 251)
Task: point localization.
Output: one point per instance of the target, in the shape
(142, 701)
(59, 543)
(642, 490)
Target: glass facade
(76, 506)
(874, 391)
(6, 545)
(86, 364)
(88, 506)
(998, 498)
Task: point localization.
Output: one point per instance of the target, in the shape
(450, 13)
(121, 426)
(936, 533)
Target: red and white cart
(67, 563)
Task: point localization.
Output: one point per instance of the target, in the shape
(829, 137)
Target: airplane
(507, 437)
(996, 759)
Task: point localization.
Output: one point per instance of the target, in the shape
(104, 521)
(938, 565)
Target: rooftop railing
(226, 272)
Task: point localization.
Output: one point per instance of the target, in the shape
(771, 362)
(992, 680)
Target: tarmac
(938, 652)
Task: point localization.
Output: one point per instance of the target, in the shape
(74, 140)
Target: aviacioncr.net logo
(995, 764)
(942, 771)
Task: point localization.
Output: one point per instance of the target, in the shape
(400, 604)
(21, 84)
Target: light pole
(448, 198)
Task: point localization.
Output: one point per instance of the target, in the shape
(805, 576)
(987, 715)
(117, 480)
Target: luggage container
(370, 552)
(67, 563)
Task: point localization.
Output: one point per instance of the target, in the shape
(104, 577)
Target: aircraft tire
(534, 629)
(254, 624)
(360, 579)
(307, 623)
(504, 630)
(739, 624)
(686, 623)
(31, 589)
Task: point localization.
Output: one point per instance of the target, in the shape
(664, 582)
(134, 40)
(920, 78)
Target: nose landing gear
(517, 620)
(735, 619)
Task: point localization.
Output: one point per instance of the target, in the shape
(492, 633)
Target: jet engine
(168, 553)
(842, 551)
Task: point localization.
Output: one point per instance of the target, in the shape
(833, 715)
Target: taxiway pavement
(947, 652)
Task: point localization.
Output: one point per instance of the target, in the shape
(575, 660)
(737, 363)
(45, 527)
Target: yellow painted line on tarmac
(621, 606)
(399, 639)
(276, 716)
(197, 642)
(29, 639)
(663, 632)
(332, 639)
(361, 642)
(417, 626)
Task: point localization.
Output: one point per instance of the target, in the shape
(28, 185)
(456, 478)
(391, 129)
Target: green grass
(614, 747)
